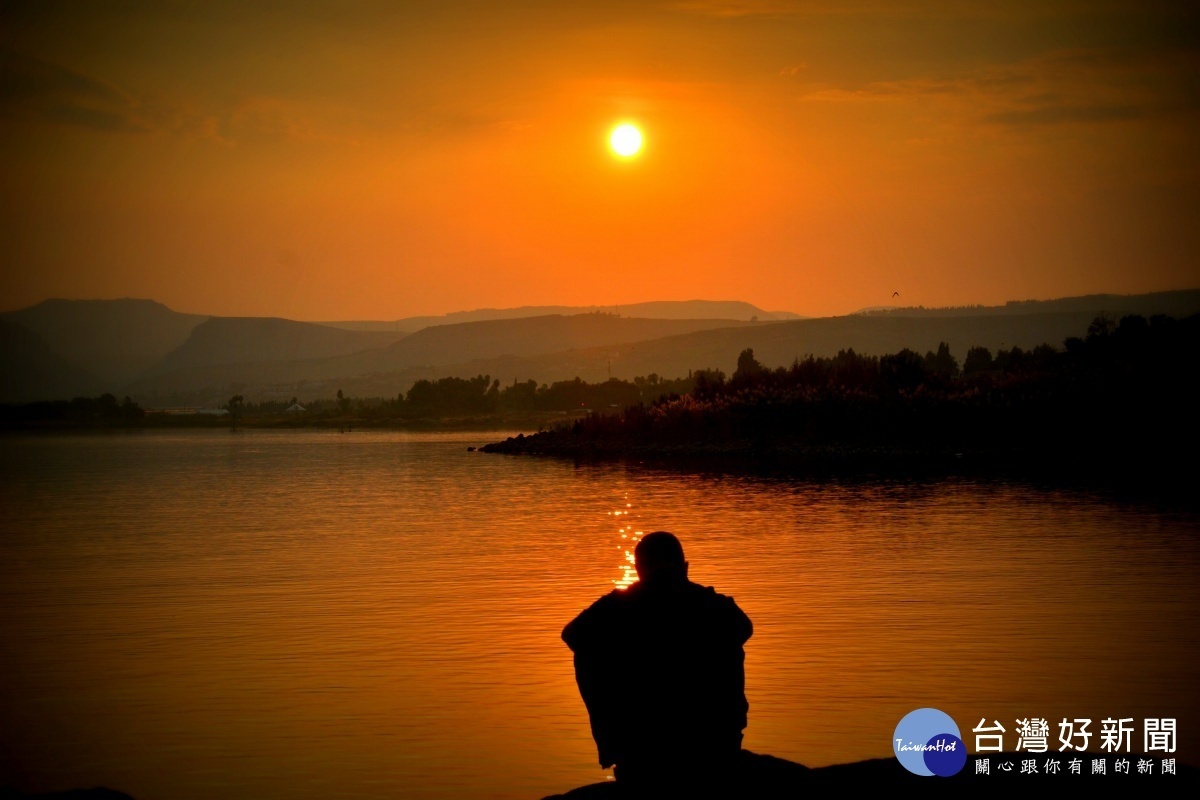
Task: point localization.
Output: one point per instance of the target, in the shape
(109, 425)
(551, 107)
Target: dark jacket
(660, 666)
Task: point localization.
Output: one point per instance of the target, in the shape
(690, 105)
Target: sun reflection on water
(629, 540)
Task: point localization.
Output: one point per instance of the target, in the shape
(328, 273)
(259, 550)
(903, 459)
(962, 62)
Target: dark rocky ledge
(98, 793)
(1136, 473)
(770, 778)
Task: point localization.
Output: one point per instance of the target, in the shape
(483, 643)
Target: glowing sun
(626, 140)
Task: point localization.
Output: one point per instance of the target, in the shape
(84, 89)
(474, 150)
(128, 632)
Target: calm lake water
(377, 615)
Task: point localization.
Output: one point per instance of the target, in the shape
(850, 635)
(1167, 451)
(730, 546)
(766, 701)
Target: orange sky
(379, 159)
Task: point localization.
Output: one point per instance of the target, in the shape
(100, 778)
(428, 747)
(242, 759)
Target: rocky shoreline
(1102, 468)
(1006, 774)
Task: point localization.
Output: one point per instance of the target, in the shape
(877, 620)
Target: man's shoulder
(594, 619)
(608, 602)
(710, 595)
(724, 606)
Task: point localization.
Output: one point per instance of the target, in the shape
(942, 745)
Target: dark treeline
(1124, 388)
(102, 411)
(427, 400)
(483, 396)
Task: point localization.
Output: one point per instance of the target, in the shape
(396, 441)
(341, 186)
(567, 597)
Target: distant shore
(1112, 409)
(1093, 468)
(510, 421)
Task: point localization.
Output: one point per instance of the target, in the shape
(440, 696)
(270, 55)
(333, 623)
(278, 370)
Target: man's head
(659, 555)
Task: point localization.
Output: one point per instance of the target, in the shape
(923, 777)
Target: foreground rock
(98, 793)
(769, 778)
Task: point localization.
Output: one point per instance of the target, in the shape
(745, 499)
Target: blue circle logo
(927, 742)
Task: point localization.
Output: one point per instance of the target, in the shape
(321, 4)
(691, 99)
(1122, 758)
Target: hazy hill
(115, 340)
(527, 336)
(192, 367)
(778, 344)
(29, 370)
(246, 340)
(1176, 304)
(774, 344)
(263, 357)
(664, 309)
(658, 309)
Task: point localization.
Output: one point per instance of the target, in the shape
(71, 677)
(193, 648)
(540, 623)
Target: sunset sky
(375, 160)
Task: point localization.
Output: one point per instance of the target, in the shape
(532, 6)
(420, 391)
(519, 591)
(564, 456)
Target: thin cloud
(904, 90)
(1078, 87)
(1066, 114)
(33, 92)
(32, 88)
(736, 8)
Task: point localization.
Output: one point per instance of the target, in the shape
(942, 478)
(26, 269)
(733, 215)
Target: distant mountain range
(113, 340)
(429, 351)
(662, 309)
(30, 370)
(228, 341)
(1175, 303)
(64, 348)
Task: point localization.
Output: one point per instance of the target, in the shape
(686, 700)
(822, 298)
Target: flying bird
(895, 294)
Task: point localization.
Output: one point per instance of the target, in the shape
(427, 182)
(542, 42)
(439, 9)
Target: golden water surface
(377, 615)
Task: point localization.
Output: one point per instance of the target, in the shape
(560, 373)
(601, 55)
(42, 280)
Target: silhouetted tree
(1010, 360)
(453, 395)
(707, 382)
(979, 359)
(1101, 327)
(520, 396)
(234, 407)
(904, 370)
(941, 363)
(748, 367)
(850, 369)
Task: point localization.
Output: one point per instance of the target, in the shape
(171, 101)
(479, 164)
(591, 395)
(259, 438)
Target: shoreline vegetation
(79, 415)
(459, 404)
(1117, 403)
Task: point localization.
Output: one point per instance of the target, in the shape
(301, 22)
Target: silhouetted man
(660, 666)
